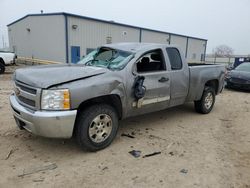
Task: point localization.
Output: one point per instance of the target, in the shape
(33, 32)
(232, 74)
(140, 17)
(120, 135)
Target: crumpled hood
(240, 74)
(49, 75)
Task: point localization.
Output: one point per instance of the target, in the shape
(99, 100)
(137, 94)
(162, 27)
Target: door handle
(163, 79)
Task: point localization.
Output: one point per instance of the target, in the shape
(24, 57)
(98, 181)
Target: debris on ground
(10, 153)
(171, 153)
(38, 169)
(127, 135)
(134, 178)
(226, 119)
(180, 126)
(38, 180)
(169, 145)
(181, 155)
(152, 154)
(184, 171)
(156, 137)
(105, 168)
(135, 153)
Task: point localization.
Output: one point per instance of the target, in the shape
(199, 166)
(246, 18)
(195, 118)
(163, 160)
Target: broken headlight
(55, 99)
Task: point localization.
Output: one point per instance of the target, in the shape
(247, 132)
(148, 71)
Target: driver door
(157, 83)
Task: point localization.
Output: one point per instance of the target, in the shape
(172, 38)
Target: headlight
(55, 99)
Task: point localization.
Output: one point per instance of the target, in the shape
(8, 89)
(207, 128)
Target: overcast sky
(219, 21)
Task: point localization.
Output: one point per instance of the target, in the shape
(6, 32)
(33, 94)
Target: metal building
(65, 37)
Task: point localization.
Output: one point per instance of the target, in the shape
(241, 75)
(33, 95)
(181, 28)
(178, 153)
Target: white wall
(195, 49)
(46, 39)
(154, 37)
(91, 34)
(179, 41)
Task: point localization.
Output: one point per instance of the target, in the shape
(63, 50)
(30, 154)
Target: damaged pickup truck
(114, 82)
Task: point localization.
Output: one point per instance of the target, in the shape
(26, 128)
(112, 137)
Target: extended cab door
(179, 76)
(152, 66)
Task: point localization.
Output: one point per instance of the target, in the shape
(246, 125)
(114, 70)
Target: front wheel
(205, 105)
(96, 127)
(2, 68)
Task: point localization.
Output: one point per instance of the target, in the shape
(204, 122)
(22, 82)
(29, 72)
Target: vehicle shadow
(147, 121)
(238, 90)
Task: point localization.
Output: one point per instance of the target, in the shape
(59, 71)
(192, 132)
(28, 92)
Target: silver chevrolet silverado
(116, 81)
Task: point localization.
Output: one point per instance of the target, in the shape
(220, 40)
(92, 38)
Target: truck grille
(27, 89)
(27, 96)
(27, 101)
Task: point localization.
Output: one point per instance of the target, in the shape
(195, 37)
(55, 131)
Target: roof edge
(44, 14)
(104, 21)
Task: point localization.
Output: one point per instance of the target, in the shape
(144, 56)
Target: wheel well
(213, 84)
(112, 100)
(2, 61)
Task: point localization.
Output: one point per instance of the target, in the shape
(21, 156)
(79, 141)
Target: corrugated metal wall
(154, 37)
(179, 41)
(91, 34)
(195, 51)
(46, 37)
(41, 37)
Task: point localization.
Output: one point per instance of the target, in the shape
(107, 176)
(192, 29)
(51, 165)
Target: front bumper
(238, 85)
(53, 124)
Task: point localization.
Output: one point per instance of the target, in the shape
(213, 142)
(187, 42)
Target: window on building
(174, 58)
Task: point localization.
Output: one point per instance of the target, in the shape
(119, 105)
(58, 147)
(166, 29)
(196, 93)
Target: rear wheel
(96, 127)
(205, 105)
(2, 67)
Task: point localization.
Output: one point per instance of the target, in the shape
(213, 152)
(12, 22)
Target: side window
(151, 62)
(174, 58)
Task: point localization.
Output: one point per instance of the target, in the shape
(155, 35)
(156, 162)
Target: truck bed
(198, 64)
(199, 74)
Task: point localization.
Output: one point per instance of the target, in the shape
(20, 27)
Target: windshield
(107, 58)
(243, 67)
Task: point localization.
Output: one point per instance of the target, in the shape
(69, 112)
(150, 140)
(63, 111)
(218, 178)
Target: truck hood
(51, 75)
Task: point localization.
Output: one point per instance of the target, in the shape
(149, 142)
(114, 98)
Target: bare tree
(223, 51)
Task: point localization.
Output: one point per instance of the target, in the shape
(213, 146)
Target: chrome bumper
(53, 124)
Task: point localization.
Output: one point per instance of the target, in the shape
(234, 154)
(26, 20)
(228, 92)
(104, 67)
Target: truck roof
(135, 47)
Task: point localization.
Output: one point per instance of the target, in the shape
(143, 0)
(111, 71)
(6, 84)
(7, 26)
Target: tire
(2, 68)
(205, 105)
(96, 127)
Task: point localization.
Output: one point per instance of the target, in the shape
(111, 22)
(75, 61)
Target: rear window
(174, 58)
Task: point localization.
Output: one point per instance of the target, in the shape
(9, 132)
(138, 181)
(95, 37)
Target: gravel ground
(196, 150)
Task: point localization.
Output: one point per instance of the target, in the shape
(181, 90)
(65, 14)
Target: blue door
(75, 54)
